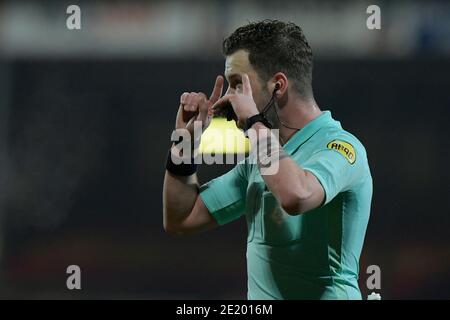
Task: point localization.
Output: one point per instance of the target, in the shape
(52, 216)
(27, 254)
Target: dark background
(84, 143)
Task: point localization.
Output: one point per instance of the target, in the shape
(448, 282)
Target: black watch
(257, 118)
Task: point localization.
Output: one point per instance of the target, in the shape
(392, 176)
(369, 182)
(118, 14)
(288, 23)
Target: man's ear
(279, 84)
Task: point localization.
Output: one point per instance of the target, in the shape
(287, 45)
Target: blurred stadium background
(86, 116)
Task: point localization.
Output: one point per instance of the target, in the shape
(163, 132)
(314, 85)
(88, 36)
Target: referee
(306, 222)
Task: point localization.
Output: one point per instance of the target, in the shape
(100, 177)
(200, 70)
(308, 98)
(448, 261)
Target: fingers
(203, 106)
(193, 104)
(217, 91)
(190, 101)
(189, 105)
(246, 87)
(183, 98)
(221, 102)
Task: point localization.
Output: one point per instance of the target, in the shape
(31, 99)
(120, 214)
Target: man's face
(235, 65)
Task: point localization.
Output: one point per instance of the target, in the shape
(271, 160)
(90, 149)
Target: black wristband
(257, 118)
(182, 169)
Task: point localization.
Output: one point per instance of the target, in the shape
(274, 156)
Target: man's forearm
(179, 196)
(290, 184)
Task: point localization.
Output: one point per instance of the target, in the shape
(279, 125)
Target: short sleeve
(225, 196)
(337, 167)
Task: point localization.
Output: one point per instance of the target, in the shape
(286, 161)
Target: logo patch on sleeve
(344, 148)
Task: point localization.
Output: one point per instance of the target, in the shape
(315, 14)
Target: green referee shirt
(314, 255)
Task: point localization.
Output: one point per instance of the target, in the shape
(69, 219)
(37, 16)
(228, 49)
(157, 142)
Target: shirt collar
(309, 130)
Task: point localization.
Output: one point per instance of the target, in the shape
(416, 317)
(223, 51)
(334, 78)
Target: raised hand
(195, 106)
(241, 100)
